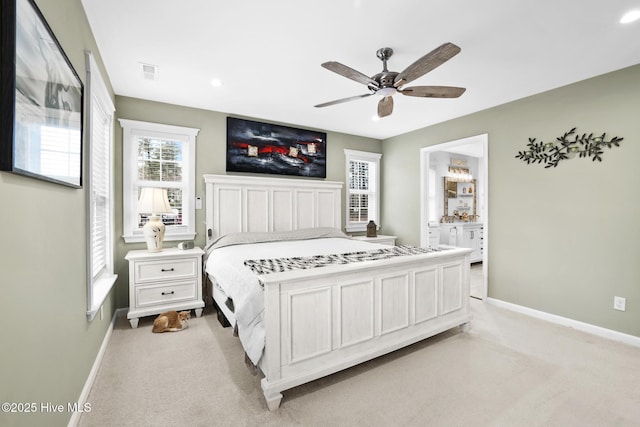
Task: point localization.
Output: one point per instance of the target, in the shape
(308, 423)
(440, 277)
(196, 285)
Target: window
(158, 155)
(363, 183)
(100, 112)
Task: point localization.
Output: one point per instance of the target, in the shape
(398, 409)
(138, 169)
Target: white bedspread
(226, 266)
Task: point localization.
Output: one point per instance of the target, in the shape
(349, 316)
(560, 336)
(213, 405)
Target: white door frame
(425, 152)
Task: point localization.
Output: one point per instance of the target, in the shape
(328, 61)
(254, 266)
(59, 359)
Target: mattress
(225, 264)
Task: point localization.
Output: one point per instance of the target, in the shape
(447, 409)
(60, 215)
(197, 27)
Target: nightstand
(385, 240)
(162, 281)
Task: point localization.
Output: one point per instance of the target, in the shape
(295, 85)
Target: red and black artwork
(266, 148)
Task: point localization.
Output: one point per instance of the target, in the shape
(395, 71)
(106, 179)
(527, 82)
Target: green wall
(210, 159)
(48, 345)
(564, 240)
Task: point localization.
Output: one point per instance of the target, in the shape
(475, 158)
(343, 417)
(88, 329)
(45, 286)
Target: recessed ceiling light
(216, 83)
(630, 16)
(375, 118)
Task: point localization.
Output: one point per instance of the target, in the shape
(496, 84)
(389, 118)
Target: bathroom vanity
(464, 235)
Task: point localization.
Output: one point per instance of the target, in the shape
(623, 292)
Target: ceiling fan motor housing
(385, 83)
(386, 78)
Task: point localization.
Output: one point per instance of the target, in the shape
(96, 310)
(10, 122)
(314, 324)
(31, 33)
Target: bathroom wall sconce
(460, 174)
(459, 171)
(566, 147)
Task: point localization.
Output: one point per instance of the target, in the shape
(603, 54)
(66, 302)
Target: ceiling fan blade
(422, 66)
(340, 101)
(385, 106)
(433, 91)
(350, 73)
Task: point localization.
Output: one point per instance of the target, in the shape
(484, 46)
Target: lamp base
(153, 232)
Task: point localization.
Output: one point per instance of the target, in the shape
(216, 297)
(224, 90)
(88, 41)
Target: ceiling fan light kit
(387, 91)
(388, 83)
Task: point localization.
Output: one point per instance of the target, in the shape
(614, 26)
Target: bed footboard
(322, 322)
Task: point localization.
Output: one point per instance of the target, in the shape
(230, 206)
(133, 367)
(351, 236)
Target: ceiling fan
(388, 83)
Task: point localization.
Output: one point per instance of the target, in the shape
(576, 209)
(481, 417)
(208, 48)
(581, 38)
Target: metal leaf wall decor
(565, 147)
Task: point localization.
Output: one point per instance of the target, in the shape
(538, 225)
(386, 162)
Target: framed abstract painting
(274, 149)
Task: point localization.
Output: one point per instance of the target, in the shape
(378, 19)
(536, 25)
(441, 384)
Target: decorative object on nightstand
(372, 229)
(164, 281)
(154, 201)
(185, 245)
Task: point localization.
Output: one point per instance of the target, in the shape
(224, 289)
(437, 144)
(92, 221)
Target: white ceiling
(268, 53)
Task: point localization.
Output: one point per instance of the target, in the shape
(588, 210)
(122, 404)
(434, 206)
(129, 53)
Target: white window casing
(181, 140)
(362, 189)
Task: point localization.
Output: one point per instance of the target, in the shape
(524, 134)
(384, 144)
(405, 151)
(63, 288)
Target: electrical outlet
(619, 303)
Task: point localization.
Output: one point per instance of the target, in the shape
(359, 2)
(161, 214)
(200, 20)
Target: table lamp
(154, 201)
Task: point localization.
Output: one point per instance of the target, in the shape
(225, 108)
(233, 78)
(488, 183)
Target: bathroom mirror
(459, 200)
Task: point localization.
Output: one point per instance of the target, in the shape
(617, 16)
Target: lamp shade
(154, 201)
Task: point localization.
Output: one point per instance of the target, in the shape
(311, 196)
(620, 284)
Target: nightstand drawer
(153, 271)
(163, 294)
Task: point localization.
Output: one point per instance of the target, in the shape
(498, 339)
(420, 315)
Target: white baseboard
(581, 326)
(84, 395)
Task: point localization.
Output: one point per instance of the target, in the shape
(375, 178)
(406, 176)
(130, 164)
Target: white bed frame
(323, 320)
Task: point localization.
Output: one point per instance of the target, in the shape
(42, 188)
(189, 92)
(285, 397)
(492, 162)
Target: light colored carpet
(508, 370)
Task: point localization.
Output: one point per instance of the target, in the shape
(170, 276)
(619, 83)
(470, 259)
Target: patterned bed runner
(279, 265)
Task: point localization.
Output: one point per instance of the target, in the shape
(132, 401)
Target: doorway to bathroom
(454, 205)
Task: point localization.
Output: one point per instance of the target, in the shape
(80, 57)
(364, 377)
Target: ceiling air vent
(149, 72)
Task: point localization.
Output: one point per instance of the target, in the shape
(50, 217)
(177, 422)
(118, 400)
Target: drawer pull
(168, 293)
(166, 269)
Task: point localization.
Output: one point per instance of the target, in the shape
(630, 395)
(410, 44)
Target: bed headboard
(251, 203)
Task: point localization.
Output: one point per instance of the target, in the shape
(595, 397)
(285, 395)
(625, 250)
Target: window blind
(100, 211)
(100, 176)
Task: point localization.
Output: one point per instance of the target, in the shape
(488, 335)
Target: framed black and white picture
(41, 99)
(274, 149)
